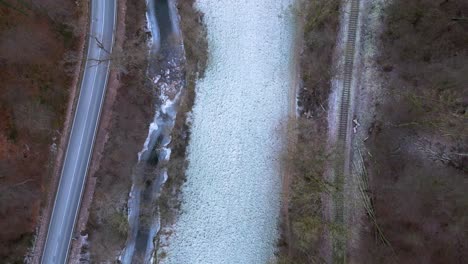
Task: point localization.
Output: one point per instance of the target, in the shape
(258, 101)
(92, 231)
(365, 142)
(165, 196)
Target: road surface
(85, 123)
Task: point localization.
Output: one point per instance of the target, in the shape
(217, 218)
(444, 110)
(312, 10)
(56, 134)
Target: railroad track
(348, 71)
(339, 241)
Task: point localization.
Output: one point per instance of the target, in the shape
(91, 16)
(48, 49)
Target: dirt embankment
(127, 118)
(307, 156)
(40, 47)
(417, 135)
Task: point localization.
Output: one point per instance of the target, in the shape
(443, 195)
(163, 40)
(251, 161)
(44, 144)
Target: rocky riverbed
(231, 199)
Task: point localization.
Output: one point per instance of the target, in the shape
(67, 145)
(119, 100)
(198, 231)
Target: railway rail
(343, 143)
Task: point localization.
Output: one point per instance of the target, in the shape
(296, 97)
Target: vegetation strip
(307, 156)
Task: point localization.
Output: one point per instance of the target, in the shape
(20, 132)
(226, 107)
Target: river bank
(304, 237)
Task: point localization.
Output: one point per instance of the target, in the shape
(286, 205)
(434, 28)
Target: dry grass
(307, 159)
(307, 155)
(320, 32)
(360, 171)
(427, 50)
(417, 180)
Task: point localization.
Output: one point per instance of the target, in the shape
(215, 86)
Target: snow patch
(152, 128)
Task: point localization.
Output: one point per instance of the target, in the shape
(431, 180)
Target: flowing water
(165, 58)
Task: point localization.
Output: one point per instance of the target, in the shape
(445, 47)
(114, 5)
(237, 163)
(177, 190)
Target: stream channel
(166, 77)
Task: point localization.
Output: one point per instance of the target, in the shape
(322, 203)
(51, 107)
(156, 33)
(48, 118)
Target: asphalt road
(85, 123)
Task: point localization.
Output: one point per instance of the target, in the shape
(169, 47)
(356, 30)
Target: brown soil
(39, 44)
(128, 118)
(418, 137)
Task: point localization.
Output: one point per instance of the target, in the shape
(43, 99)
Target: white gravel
(231, 199)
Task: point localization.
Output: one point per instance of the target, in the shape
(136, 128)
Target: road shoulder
(102, 136)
